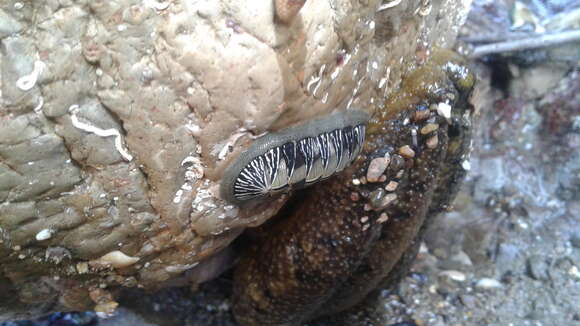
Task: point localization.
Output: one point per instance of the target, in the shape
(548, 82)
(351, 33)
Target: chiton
(295, 157)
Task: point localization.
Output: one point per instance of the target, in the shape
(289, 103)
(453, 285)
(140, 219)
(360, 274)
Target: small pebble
(400, 174)
(466, 165)
(488, 283)
(392, 186)
(44, 234)
(383, 218)
(444, 110)
(432, 142)
(364, 219)
(376, 169)
(376, 196)
(387, 200)
(429, 128)
(397, 162)
(406, 151)
(433, 288)
(354, 196)
(454, 275)
(388, 157)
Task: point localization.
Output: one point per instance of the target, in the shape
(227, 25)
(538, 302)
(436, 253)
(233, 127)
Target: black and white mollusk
(296, 157)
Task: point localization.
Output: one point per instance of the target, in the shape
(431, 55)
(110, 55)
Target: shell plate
(295, 157)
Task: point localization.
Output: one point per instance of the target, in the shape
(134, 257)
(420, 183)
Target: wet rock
(408, 203)
(111, 59)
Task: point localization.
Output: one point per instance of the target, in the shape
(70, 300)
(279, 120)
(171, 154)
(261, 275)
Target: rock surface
(117, 119)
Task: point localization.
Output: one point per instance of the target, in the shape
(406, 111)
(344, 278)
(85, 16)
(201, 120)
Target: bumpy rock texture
(349, 235)
(117, 119)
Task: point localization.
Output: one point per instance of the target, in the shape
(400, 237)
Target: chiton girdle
(295, 157)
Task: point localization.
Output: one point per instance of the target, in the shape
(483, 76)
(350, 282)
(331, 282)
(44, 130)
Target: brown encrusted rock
(117, 119)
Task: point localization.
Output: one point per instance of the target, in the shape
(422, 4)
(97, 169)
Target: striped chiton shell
(295, 157)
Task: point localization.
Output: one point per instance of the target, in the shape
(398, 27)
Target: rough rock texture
(117, 119)
(347, 236)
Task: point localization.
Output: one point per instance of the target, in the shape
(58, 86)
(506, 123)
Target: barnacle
(350, 234)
